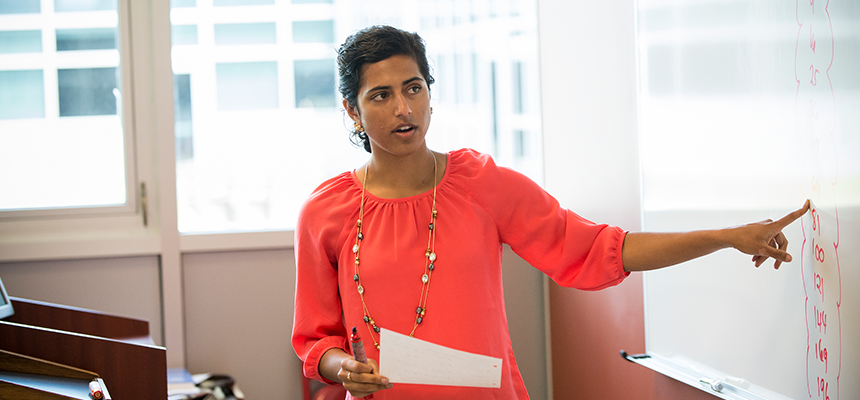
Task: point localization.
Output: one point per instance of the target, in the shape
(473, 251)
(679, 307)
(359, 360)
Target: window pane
(182, 116)
(22, 94)
(183, 34)
(237, 34)
(20, 6)
(62, 142)
(87, 91)
(75, 164)
(86, 39)
(88, 5)
(247, 86)
(220, 3)
(315, 83)
(517, 86)
(313, 31)
(20, 42)
(182, 3)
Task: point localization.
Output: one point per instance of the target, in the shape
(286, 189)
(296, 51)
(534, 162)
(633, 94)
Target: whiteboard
(747, 108)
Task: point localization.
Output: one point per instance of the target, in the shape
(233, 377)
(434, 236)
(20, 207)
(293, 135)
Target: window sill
(147, 244)
(79, 248)
(216, 242)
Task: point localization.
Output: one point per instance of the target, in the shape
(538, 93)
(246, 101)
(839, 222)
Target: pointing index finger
(793, 216)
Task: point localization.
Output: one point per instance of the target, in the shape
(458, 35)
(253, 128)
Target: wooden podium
(118, 349)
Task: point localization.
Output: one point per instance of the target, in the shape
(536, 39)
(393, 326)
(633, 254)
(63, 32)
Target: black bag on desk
(219, 387)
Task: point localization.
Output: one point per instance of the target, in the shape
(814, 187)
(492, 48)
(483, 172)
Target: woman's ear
(352, 111)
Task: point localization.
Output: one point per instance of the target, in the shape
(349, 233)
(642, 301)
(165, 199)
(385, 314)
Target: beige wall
(123, 286)
(238, 317)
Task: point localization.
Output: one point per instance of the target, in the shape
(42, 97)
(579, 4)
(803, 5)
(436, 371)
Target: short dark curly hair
(371, 45)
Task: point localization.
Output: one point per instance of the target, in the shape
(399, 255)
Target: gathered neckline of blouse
(412, 198)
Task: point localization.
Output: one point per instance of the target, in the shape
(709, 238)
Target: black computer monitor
(5, 303)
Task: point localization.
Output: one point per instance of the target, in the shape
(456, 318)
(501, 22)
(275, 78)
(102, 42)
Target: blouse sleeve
(571, 250)
(318, 323)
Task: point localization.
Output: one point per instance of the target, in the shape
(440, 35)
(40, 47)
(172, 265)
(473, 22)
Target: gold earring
(431, 110)
(358, 127)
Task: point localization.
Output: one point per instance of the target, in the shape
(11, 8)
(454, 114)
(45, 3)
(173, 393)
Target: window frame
(132, 228)
(126, 113)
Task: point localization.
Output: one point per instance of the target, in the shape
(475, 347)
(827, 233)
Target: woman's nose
(402, 106)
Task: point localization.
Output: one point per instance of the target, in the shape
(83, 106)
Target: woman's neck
(402, 176)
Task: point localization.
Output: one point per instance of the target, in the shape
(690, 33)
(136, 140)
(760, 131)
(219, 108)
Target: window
(313, 31)
(87, 91)
(247, 85)
(239, 34)
(63, 141)
(20, 6)
(12, 42)
(314, 81)
(22, 94)
(259, 121)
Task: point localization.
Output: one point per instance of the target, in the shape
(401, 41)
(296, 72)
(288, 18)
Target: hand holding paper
(404, 359)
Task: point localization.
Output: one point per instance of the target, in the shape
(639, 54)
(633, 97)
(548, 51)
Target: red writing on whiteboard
(822, 389)
(816, 114)
(817, 251)
(821, 354)
(820, 319)
(811, 39)
(816, 185)
(819, 285)
(816, 221)
(813, 112)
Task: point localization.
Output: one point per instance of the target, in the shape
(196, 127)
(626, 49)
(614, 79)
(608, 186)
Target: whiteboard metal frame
(693, 373)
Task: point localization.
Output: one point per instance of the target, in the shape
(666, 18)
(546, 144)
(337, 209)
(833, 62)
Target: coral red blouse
(480, 206)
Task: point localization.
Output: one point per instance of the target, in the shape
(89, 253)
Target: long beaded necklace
(429, 263)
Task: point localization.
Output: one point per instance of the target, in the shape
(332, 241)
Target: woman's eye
(415, 89)
(379, 96)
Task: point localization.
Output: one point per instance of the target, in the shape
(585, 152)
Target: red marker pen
(358, 351)
(96, 390)
(357, 347)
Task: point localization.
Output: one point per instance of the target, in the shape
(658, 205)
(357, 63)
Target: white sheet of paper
(404, 359)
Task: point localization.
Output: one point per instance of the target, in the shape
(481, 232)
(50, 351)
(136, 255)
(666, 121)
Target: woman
(372, 242)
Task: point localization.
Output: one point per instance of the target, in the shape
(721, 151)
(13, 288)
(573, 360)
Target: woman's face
(393, 106)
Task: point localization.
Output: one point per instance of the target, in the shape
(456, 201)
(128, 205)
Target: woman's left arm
(645, 251)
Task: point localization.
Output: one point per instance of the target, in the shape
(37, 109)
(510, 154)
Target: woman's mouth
(404, 130)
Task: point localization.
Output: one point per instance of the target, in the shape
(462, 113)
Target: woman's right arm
(319, 337)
